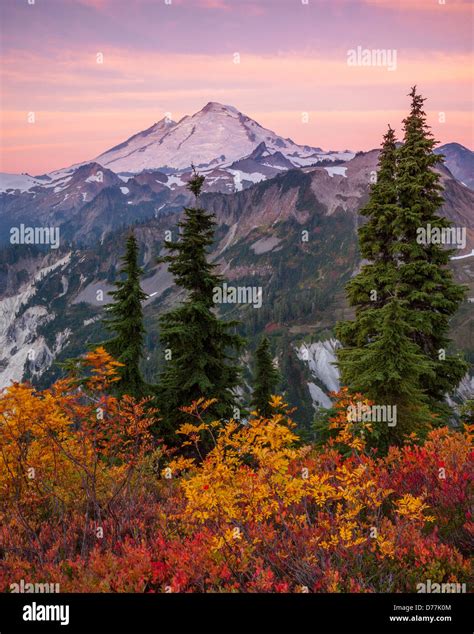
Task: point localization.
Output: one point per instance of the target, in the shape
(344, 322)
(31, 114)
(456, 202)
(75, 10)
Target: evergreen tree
(201, 346)
(467, 412)
(265, 379)
(296, 377)
(368, 291)
(125, 320)
(406, 278)
(388, 371)
(426, 282)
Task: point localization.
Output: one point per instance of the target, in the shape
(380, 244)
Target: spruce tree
(426, 282)
(265, 380)
(125, 320)
(405, 200)
(295, 375)
(202, 347)
(389, 371)
(369, 289)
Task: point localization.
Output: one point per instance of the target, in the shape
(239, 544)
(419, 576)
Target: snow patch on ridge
(336, 169)
(21, 182)
(319, 398)
(320, 357)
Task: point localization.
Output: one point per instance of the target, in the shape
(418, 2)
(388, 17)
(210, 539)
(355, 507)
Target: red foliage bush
(108, 512)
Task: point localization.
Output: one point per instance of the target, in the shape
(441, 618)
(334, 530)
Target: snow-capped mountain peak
(135, 145)
(214, 106)
(216, 135)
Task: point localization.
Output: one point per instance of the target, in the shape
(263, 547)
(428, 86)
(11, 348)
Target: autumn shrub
(68, 456)
(258, 512)
(441, 471)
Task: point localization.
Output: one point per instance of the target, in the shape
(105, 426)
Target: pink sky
(160, 58)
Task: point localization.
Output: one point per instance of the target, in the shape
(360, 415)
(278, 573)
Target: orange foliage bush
(258, 513)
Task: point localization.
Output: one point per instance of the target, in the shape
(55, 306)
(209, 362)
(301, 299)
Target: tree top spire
(195, 183)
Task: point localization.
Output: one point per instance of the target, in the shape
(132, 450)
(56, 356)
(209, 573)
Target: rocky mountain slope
(460, 162)
(294, 236)
(287, 218)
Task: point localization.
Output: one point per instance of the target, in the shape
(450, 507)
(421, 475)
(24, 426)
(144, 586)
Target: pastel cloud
(458, 6)
(83, 107)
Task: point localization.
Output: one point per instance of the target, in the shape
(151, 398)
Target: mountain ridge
(215, 135)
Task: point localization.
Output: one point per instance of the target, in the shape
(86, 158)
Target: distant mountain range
(264, 190)
(460, 162)
(147, 174)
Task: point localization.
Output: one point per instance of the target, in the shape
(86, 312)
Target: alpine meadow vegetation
(90, 499)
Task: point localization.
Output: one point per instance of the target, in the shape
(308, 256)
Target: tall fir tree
(389, 371)
(369, 289)
(125, 320)
(404, 278)
(266, 378)
(426, 283)
(295, 379)
(202, 347)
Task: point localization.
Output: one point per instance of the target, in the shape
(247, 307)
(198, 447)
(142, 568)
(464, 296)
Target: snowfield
(216, 135)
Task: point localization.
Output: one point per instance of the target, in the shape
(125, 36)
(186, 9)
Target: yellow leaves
(412, 508)
(290, 489)
(350, 420)
(345, 533)
(342, 533)
(229, 537)
(354, 509)
(277, 402)
(319, 490)
(178, 465)
(386, 548)
(197, 408)
(65, 444)
(101, 362)
(226, 489)
(103, 370)
(188, 429)
(332, 542)
(469, 430)
(356, 443)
